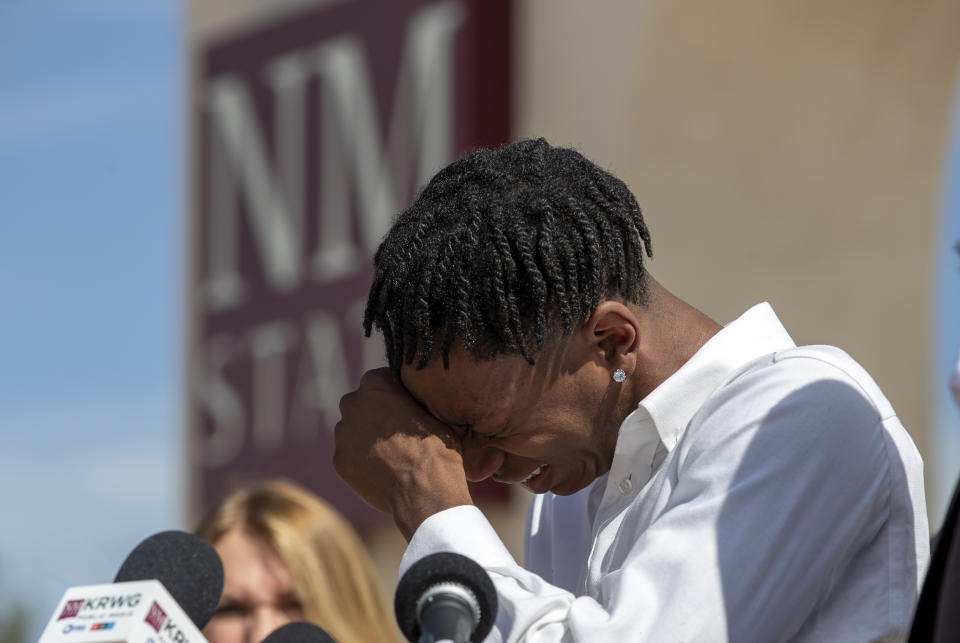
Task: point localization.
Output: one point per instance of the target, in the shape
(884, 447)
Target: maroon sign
(312, 133)
(155, 617)
(71, 609)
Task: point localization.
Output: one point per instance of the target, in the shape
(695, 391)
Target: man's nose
(480, 461)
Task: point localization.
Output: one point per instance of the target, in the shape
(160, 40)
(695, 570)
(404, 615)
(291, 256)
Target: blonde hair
(331, 570)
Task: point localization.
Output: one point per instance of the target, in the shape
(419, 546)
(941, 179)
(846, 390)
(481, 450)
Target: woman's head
(288, 556)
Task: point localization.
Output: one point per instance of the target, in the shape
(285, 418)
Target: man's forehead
(468, 386)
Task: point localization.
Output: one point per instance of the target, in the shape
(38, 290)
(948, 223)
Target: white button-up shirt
(763, 492)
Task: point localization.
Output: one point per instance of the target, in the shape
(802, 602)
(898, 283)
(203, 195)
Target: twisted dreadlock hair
(503, 248)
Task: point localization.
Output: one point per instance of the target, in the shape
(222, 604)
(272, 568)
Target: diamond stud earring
(619, 375)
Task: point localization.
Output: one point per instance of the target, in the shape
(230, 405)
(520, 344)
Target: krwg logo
(111, 602)
(155, 617)
(71, 609)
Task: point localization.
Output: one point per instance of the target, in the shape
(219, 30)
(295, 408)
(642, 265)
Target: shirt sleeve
(529, 608)
(772, 493)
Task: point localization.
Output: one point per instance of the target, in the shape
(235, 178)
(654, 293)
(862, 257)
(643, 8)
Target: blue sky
(90, 224)
(946, 335)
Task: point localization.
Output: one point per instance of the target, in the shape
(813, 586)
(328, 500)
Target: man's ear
(614, 330)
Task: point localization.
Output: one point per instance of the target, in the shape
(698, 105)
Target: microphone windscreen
(185, 564)
(299, 632)
(444, 567)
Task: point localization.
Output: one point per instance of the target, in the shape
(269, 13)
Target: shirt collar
(671, 406)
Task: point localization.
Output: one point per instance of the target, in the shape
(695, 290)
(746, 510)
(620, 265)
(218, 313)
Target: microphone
(189, 568)
(299, 632)
(445, 597)
(166, 590)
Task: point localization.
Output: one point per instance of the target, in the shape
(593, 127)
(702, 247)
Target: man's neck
(673, 331)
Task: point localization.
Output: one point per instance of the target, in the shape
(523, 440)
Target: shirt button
(626, 486)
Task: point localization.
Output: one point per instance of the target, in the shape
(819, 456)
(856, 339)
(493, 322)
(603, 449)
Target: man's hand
(395, 455)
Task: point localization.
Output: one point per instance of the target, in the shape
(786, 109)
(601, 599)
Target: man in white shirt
(697, 482)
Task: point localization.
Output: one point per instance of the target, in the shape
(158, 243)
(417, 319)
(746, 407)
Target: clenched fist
(395, 455)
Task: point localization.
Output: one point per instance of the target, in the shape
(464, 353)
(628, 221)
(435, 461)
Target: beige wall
(784, 151)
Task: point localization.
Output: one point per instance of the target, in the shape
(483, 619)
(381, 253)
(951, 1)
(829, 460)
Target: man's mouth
(537, 480)
(534, 473)
(499, 476)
